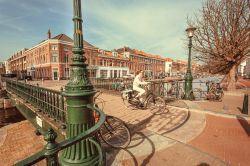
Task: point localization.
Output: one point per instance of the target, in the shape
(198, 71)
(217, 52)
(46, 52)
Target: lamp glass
(190, 31)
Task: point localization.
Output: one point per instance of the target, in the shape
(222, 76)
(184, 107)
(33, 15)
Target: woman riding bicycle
(138, 81)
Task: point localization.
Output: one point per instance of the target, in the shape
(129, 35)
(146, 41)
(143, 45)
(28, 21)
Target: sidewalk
(186, 135)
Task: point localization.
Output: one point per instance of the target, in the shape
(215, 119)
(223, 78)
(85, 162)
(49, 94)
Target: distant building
(244, 68)
(112, 64)
(51, 59)
(152, 65)
(7, 69)
(168, 66)
(247, 68)
(2, 68)
(179, 67)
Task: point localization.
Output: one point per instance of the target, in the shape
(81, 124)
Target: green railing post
(51, 157)
(79, 93)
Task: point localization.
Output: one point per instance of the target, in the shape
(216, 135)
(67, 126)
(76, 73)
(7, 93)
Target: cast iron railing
(51, 150)
(47, 101)
(51, 102)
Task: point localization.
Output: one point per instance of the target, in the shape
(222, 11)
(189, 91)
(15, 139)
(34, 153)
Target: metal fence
(47, 101)
(51, 102)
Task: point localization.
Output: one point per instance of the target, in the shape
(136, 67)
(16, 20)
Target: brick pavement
(152, 146)
(19, 142)
(228, 139)
(231, 103)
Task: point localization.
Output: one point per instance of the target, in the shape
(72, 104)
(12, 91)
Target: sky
(154, 26)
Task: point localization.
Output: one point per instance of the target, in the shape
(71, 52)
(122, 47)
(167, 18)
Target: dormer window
(53, 47)
(115, 54)
(101, 51)
(126, 54)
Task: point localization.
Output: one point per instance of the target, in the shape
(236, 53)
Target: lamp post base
(189, 95)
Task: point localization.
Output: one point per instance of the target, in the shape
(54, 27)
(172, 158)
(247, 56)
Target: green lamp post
(189, 78)
(79, 92)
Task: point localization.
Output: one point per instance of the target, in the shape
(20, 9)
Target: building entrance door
(55, 74)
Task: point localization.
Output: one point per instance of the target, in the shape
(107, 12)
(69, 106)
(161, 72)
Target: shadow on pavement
(244, 124)
(127, 156)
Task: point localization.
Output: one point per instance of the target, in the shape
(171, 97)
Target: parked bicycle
(114, 131)
(155, 104)
(175, 91)
(214, 92)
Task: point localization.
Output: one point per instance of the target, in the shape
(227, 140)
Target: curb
(220, 114)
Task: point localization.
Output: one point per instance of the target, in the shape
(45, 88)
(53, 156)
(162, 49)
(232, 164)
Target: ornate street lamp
(79, 92)
(189, 78)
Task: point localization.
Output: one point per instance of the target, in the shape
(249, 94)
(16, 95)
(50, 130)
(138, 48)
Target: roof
(110, 54)
(63, 37)
(168, 60)
(68, 39)
(139, 52)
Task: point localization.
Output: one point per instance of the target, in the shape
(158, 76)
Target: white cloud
(154, 27)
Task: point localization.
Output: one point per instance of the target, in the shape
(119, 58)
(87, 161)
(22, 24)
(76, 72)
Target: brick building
(111, 64)
(168, 66)
(51, 59)
(2, 68)
(179, 67)
(17, 63)
(153, 65)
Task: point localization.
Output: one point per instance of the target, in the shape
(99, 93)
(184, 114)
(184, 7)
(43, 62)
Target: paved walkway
(18, 141)
(181, 137)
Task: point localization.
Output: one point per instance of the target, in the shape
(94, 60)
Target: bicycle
(155, 104)
(114, 131)
(214, 92)
(176, 91)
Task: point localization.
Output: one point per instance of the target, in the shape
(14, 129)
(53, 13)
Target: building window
(66, 58)
(53, 47)
(124, 72)
(66, 49)
(104, 73)
(54, 58)
(111, 63)
(115, 54)
(111, 73)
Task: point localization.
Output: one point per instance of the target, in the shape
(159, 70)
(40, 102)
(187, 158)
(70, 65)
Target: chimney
(49, 34)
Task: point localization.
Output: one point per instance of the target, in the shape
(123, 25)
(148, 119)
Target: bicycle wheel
(156, 105)
(115, 133)
(221, 95)
(197, 93)
(181, 93)
(125, 98)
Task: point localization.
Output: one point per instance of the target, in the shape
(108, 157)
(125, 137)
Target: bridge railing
(110, 84)
(176, 89)
(52, 149)
(47, 101)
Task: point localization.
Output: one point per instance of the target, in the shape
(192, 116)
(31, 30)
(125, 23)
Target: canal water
(10, 116)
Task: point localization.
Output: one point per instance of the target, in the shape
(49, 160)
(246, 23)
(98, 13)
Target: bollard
(245, 104)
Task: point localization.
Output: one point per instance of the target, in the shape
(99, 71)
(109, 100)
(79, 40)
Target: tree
(222, 38)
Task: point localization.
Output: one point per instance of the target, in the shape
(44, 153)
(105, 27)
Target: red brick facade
(51, 59)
